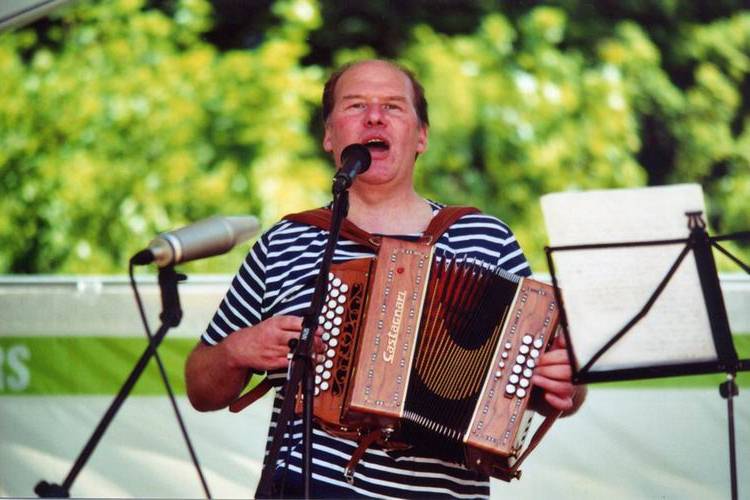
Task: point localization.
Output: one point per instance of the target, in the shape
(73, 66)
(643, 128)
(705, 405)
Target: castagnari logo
(398, 314)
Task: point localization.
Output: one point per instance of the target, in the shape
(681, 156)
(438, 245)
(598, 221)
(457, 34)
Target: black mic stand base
(50, 490)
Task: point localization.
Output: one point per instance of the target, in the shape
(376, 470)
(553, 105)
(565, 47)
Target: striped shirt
(277, 277)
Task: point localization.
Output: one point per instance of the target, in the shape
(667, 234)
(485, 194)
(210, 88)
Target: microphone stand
(171, 316)
(301, 368)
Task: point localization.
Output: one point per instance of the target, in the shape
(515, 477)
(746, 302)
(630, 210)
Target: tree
(121, 122)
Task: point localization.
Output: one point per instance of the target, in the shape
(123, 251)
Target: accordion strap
(321, 217)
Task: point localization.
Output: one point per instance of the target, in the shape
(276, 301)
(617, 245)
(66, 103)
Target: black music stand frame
(728, 362)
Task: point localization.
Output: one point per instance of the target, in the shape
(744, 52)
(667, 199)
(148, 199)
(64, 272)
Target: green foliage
(127, 124)
(515, 116)
(119, 120)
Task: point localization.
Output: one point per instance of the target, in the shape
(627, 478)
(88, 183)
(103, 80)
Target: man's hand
(265, 346)
(215, 375)
(552, 379)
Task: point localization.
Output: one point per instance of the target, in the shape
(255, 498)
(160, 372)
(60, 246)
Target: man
(382, 106)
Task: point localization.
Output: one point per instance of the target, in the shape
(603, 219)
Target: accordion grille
(462, 321)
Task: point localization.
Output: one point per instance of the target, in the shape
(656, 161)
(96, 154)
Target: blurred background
(121, 119)
(125, 118)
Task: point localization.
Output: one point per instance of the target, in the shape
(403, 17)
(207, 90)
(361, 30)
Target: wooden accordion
(433, 351)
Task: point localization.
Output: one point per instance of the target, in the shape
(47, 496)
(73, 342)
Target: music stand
(725, 358)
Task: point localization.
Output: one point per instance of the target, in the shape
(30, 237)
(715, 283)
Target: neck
(386, 211)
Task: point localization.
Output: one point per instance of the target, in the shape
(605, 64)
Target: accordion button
(510, 389)
(328, 364)
(330, 276)
(508, 345)
(335, 331)
(527, 339)
(521, 393)
(524, 349)
(513, 379)
(530, 363)
(318, 379)
(334, 293)
(324, 386)
(330, 353)
(336, 282)
(504, 355)
(538, 343)
(332, 304)
(326, 375)
(318, 369)
(317, 391)
(501, 364)
(337, 321)
(523, 382)
(340, 310)
(333, 343)
(521, 359)
(534, 353)
(330, 314)
(341, 298)
(326, 336)
(517, 369)
(327, 326)
(344, 288)
(321, 319)
(498, 374)
(528, 372)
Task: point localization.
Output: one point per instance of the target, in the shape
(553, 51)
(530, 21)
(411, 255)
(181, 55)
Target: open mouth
(377, 145)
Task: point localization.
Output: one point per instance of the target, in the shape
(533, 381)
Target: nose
(374, 115)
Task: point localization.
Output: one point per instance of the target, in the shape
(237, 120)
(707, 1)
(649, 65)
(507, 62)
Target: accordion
(433, 351)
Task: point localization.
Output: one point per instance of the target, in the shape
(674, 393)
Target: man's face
(374, 106)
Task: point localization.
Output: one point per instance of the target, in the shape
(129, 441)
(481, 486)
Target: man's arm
(215, 375)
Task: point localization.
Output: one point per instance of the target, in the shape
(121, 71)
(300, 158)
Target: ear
(327, 143)
(422, 137)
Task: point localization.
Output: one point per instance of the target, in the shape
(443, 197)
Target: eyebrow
(386, 98)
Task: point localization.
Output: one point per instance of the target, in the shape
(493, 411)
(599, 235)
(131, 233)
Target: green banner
(78, 365)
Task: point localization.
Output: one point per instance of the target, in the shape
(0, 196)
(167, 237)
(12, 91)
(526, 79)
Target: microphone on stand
(205, 238)
(355, 159)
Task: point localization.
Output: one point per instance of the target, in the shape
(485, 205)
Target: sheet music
(604, 289)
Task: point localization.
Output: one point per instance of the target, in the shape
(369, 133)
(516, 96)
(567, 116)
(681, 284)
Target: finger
(557, 402)
(289, 323)
(554, 357)
(277, 362)
(318, 344)
(560, 387)
(554, 372)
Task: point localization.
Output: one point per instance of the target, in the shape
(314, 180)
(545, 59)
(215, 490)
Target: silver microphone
(205, 238)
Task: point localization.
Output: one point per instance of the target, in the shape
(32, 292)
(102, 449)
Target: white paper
(604, 289)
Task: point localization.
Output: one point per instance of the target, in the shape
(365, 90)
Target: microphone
(355, 159)
(205, 238)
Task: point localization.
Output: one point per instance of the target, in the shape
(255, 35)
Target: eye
(392, 107)
(357, 105)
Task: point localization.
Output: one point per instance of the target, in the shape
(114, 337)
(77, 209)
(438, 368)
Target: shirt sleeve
(241, 306)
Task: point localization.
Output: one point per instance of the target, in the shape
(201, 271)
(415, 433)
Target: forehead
(374, 79)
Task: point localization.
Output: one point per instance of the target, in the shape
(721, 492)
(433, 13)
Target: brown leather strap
(250, 396)
(443, 220)
(364, 443)
(321, 217)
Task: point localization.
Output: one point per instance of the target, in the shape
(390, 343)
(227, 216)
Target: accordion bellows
(440, 352)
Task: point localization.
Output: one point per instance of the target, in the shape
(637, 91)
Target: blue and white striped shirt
(277, 277)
